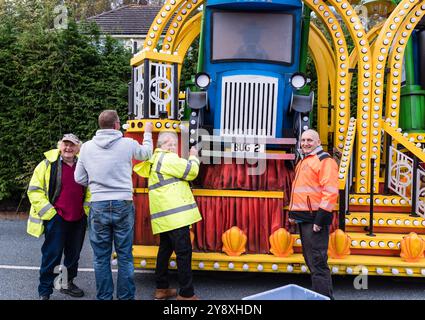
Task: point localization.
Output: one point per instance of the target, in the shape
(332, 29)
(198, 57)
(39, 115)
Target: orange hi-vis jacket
(315, 188)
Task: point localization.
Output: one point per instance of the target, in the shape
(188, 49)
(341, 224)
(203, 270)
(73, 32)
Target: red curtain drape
(257, 217)
(142, 222)
(278, 176)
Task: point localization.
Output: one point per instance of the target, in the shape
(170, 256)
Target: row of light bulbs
(345, 159)
(381, 222)
(167, 10)
(364, 57)
(398, 50)
(157, 124)
(395, 63)
(385, 201)
(365, 244)
(405, 134)
(290, 268)
(342, 68)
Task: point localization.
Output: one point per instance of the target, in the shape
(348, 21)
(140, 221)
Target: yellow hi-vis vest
(38, 194)
(171, 201)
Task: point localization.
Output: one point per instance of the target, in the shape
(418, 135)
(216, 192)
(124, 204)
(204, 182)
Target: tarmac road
(20, 258)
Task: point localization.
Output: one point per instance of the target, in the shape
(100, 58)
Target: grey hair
(164, 136)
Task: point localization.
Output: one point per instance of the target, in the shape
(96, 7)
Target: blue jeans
(112, 221)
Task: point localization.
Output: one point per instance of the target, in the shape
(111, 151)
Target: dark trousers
(61, 237)
(315, 252)
(177, 240)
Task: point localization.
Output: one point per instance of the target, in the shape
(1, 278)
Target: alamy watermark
(217, 149)
(61, 280)
(61, 19)
(361, 280)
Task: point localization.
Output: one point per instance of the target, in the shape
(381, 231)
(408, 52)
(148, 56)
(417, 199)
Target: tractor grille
(249, 106)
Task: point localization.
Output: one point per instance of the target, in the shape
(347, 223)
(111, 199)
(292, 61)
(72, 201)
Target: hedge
(52, 82)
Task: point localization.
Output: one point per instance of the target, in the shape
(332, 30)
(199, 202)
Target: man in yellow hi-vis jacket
(172, 210)
(59, 209)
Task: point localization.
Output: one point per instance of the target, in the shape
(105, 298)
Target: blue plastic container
(288, 292)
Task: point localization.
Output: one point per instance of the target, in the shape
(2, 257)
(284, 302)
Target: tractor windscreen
(252, 36)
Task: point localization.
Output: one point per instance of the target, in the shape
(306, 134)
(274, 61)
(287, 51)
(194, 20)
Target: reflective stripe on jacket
(171, 201)
(316, 183)
(43, 191)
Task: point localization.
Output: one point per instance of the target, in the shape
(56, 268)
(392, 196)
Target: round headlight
(298, 80)
(202, 80)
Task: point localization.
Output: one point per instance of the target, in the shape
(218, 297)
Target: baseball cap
(71, 137)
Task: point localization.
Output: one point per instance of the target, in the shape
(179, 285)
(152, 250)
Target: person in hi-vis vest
(59, 209)
(172, 210)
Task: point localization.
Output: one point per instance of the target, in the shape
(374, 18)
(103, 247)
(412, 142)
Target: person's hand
(316, 228)
(148, 127)
(291, 221)
(193, 152)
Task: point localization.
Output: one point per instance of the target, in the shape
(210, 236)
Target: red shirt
(69, 204)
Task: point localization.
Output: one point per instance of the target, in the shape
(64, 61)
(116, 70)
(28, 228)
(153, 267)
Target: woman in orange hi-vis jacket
(313, 198)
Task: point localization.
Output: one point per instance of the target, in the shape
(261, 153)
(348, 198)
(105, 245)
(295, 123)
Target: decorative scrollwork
(138, 91)
(420, 200)
(161, 91)
(401, 174)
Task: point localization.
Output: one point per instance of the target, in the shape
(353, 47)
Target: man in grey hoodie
(105, 165)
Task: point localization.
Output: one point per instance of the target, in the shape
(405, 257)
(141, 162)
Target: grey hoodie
(105, 164)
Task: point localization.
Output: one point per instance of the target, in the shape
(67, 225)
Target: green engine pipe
(412, 102)
(304, 47)
(200, 65)
(304, 39)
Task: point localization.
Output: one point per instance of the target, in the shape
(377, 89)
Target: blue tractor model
(248, 99)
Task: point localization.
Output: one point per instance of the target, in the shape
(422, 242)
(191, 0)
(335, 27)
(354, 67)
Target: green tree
(52, 81)
(189, 65)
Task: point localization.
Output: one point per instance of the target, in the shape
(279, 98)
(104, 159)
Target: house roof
(132, 19)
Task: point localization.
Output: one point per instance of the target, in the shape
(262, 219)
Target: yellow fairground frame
(342, 90)
(396, 25)
(346, 154)
(185, 27)
(145, 258)
(332, 62)
(400, 138)
(371, 37)
(321, 51)
(159, 125)
(229, 193)
(395, 221)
